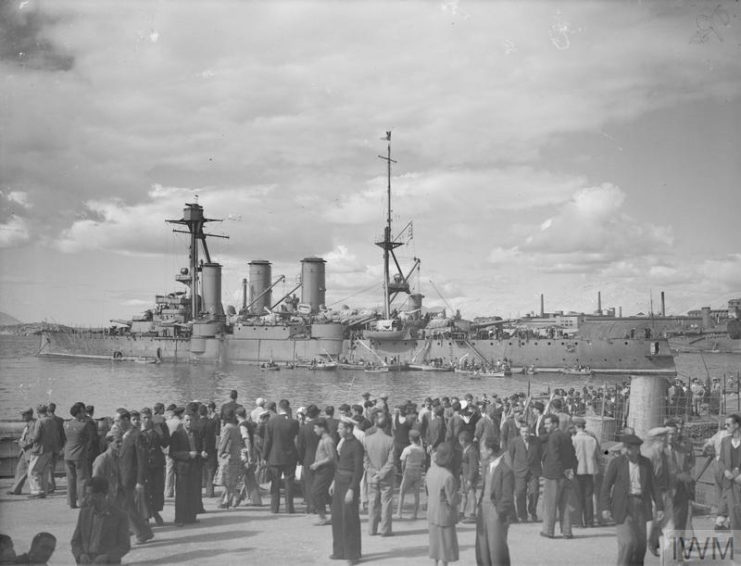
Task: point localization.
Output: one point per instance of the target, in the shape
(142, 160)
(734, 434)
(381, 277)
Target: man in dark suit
(281, 454)
(345, 492)
(627, 492)
(102, 532)
(537, 419)
(187, 453)
(525, 455)
(61, 439)
(156, 438)
(559, 463)
(133, 465)
(76, 454)
(307, 443)
(231, 404)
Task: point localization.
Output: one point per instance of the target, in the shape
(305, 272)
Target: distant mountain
(7, 320)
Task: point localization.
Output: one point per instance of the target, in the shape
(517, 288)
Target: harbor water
(26, 380)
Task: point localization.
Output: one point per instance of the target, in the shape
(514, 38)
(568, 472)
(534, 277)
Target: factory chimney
(663, 305)
(542, 305)
(599, 302)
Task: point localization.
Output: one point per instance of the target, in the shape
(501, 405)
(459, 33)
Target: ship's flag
(388, 136)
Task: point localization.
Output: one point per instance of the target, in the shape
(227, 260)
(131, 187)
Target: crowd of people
(484, 461)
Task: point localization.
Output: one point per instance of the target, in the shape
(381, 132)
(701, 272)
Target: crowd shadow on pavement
(194, 555)
(406, 552)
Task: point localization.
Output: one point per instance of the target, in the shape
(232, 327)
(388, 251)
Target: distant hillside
(7, 320)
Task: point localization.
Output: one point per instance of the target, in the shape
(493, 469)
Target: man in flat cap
(24, 456)
(627, 494)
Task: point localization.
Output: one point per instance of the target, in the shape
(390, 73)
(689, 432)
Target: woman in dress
(323, 466)
(230, 448)
(442, 507)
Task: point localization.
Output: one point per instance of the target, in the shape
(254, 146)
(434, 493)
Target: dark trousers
(631, 534)
(137, 521)
(556, 496)
(307, 479)
(322, 480)
(527, 491)
(187, 488)
(585, 492)
(288, 472)
(345, 521)
(156, 489)
(76, 477)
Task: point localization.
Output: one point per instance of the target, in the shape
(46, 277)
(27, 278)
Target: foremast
(195, 221)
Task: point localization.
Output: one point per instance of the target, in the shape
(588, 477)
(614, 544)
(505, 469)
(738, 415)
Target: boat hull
(618, 356)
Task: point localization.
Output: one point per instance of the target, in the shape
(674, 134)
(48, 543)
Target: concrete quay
(253, 535)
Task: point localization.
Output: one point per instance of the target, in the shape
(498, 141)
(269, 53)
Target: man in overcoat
(281, 454)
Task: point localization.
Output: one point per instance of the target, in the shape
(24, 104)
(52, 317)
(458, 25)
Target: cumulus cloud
(590, 231)
(14, 231)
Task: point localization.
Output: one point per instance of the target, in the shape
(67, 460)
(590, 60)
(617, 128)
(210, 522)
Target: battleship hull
(247, 344)
(619, 356)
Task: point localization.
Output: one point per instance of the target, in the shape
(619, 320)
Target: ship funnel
(415, 304)
(313, 283)
(706, 317)
(260, 275)
(211, 283)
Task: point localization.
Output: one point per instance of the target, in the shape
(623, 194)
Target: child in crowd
(412, 465)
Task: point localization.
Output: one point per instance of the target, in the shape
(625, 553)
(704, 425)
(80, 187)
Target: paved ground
(251, 535)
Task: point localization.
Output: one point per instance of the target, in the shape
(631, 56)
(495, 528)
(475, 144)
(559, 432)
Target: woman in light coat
(442, 507)
(229, 452)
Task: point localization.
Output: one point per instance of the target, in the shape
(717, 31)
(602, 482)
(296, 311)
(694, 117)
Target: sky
(555, 148)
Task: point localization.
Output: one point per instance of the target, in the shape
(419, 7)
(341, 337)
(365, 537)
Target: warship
(191, 325)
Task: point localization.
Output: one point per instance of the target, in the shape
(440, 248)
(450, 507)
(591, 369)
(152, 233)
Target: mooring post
(647, 403)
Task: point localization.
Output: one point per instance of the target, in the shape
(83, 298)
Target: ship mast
(387, 244)
(195, 221)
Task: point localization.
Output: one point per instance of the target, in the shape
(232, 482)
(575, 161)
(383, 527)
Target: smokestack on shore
(663, 305)
(599, 302)
(542, 305)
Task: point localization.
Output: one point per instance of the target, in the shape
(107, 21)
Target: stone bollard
(647, 403)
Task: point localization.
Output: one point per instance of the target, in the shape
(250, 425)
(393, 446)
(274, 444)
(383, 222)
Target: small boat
(424, 367)
(577, 371)
(322, 366)
(382, 369)
(493, 374)
(342, 365)
(270, 366)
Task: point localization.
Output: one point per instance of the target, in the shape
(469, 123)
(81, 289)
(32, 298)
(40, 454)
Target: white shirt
(635, 478)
